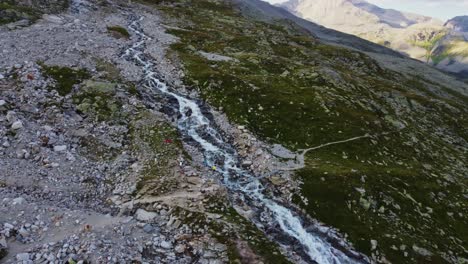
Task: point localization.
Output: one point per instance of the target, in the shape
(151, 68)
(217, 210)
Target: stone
(3, 242)
(2, 76)
(148, 228)
(180, 249)
(60, 148)
(22, 257)
(53, 19)
(373, 244)
(18, 201)
(247, 163)
(18, 24)
(17, 125)
(277, 180)
(364, 203)
(166, 244)
(2, 102)
(382, 209)
(422, 251)
(3, 252)
(142, 215)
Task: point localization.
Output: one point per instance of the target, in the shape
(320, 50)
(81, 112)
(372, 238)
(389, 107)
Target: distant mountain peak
(421, 37)
(459, 23)
(329, 12)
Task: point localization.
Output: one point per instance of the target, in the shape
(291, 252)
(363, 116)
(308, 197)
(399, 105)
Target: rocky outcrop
(458, 24)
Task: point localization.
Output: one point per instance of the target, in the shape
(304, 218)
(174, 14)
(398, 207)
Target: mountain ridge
(424, 38)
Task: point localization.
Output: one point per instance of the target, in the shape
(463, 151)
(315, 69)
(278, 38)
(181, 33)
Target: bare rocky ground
(95, 174)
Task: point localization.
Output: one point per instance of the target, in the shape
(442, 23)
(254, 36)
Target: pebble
(2, 76)
(148, 228)
(373, 244)
(60, 148)
(180, 249)
(2, 102)
(166, 245)
(18, 201)
(17, 125)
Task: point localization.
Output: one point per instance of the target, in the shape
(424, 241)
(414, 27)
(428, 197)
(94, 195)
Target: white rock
(17, 125)
(18, 201)
(247, 163)
(3, 242)
(2, 102)
(48, 128)
(166, 245)
(180, 249)
(11, 116)
(60, 148)
(373, 244)
(53, 19)
(22, 257)
(143, 215)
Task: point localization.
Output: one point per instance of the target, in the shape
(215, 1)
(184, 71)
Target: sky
(442, 9)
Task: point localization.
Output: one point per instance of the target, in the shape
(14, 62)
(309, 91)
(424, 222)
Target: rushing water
(217, 152)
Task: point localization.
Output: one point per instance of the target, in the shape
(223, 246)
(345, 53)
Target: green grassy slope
(405, 189)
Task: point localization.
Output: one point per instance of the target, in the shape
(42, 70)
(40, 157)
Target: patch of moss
(109, 70)
(160, 142)
(12, 11)
(119, 31)
(65, 77)
(97, 99)
(9, 12)
(111, 73)
(95, 150)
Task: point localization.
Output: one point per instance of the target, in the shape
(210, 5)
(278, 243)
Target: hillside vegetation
(398, 194)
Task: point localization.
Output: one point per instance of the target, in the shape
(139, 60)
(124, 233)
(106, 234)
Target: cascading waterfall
(219, 153)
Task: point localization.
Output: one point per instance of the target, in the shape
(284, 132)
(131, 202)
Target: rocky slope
(180, 131)
(417, 36)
